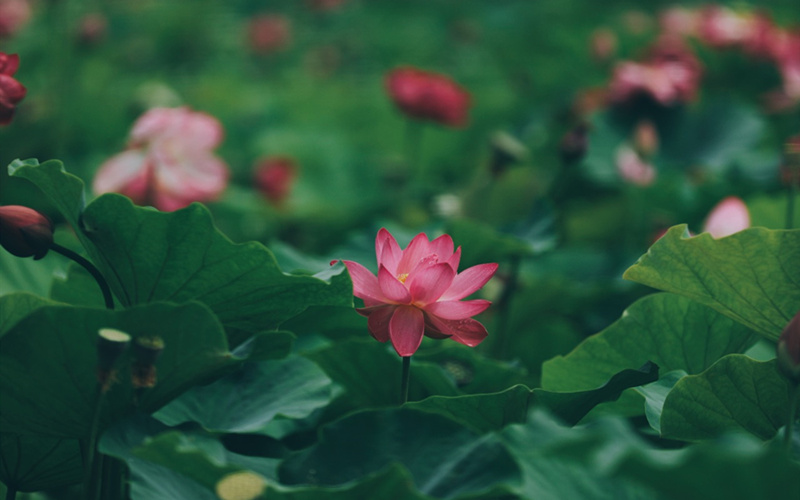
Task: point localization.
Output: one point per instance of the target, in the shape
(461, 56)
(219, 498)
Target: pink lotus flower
(727, 217)
(418, 292)
(670, 75)
(14, 15)
(11, 91)
(169, 162)
(428, 96)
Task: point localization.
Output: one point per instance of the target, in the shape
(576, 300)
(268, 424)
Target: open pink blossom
(11, 91)
(418, 292)
(727, 217)
(169, 161)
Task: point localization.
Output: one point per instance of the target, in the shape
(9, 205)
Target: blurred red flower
(169, 161)
(274, 177)
(14, 14)
(269, 33)
(428, 96)
(11, 91)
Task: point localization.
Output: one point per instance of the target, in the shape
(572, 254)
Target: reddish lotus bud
(14, 14)
(788, 350)
(428, 96)
(11, 91)
(24, 232)
(790, 166)
(274, 177)
(269, 33)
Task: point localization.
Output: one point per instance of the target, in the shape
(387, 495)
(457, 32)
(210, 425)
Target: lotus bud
(24, 232)
(788, 350)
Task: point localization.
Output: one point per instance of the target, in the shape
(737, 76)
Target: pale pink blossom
(14, 15)
(418, 292)
(169, 161)
(680, 21)
(633, 169)
(670, 75)
(727, 217)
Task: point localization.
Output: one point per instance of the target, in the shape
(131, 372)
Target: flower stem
(794, 394)
(404, 380)
(66, 252)
(91, 468)
(504, 308)
(791, 196)
(11, 493)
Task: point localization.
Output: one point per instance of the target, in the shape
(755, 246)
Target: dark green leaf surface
(671, 331)
(736, 393)
(445, 459)
(32, 463)
(48, 360)
(14, 307)
(752, 276)
(248, 399)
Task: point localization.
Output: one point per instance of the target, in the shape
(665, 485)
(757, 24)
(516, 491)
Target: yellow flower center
(402, 278)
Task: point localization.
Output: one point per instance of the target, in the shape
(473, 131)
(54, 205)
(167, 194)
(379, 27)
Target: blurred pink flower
(727, 217)
(633, 169)
(428, 96)
(671, 74)
(680, 21)
(169, 161)
(723, 27)
(603, 44)
(14, 15)
(274, 177)
(269, 33)
(418, 292)
(11, 91)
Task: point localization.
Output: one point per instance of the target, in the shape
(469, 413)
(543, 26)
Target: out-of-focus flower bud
(633, 169)
(575, 144)
(92, 28)
(14, 15)
(24, 232)
(645, 138)
(146, 351)
(274, 177)
(11, 91)
(727, 217)
(111, 344)
(428, 96)
(603, 44)
(269, 33)
(790, 166)
(788, 350)
(506, 151)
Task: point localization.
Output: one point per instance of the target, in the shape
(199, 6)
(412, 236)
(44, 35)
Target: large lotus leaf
(370, 375)
(733, 467)
(14, 307)
(487, 412)
(672, 331)
(149, 256)
(27, 275)
(169, 464)
(445, 459)
(752, 276)
(551, 476)
(737, 392)
(32, 463)
(48, 364)
(248, 399)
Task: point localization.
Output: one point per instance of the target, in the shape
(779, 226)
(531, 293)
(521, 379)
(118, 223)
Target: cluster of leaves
(267, 381)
